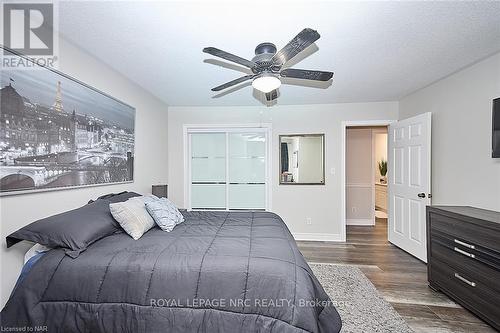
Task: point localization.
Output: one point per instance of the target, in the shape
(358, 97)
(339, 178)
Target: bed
(216, 272)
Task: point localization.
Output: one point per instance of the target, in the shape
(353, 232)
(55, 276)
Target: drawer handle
(470, 283)
(464, 244)
(470, 255)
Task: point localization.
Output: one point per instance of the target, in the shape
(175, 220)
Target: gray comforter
(216, 272)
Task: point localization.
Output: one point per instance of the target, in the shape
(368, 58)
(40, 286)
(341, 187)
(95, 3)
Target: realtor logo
(29, 35)
(28, 28)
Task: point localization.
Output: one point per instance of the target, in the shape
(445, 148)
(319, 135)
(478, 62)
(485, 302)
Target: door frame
(343, 185)
(266, 128)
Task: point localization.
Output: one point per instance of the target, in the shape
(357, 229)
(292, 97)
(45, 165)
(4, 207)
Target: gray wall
(294, 204)
(150, 159)
(463, 172)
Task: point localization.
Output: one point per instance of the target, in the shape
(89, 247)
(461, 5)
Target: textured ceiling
(379, 51)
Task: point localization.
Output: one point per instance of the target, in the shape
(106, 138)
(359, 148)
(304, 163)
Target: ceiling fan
(267, 65)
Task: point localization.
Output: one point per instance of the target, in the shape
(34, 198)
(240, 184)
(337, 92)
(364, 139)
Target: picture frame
(57, 132)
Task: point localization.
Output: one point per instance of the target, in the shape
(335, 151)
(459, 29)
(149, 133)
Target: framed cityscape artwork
(58, 133)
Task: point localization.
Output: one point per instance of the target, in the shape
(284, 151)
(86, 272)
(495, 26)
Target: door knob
(421, 195)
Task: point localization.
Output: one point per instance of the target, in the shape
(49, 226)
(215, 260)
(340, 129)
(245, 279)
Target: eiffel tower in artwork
(58, 103)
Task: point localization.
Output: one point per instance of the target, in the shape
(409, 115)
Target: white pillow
(132, 216)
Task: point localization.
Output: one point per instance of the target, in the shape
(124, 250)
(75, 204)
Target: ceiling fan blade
(228, 56)
(234, 82)
(272, 95)
(305, 38)
(306, 74)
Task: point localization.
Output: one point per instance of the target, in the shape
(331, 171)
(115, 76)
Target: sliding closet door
(228, 169)
(247, 171)
(208, 170)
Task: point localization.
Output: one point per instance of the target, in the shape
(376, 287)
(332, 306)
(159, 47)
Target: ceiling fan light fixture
(268, 66)
(266, 83)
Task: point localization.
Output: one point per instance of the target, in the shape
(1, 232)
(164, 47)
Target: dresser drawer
(473, 294)
(470, 262)
(470, 233)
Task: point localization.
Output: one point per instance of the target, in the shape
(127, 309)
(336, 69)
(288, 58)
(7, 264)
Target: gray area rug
(359, 304)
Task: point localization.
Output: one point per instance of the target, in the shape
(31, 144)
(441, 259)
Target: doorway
(364, 175)
(409, 181)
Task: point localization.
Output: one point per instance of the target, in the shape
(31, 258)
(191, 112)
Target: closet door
(247, 171)
(208, 171)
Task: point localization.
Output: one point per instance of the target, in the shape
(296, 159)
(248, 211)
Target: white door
(409, 183)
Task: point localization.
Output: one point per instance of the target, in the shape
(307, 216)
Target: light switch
(332, 171)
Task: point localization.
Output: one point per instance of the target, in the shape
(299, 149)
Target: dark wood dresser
(463, 254)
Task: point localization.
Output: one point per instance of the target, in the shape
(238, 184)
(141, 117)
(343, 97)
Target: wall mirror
(302, 159)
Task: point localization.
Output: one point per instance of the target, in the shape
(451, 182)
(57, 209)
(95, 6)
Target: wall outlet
(309, 220)
(353, 209)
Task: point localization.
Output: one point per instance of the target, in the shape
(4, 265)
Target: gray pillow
(164, 213)
(74, 230)
(120, 197)
(117, 197)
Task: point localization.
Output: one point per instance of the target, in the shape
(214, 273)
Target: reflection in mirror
(302, 159)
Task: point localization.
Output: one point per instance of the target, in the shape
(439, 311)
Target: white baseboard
(317, 237)
(360, 222)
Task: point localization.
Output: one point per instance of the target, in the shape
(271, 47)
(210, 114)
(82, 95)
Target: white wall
(380, 153)
(463, 172)
(150, 159)
(294, 203)
(359, 177)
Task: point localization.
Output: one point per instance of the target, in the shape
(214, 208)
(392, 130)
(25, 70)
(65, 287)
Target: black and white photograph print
(56, 132)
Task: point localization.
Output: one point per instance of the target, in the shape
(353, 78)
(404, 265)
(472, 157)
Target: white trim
(186, 144)
(265, 128)
(359, 185)
(367, 222)
(344, 125)
(318, 237)
(269, 170)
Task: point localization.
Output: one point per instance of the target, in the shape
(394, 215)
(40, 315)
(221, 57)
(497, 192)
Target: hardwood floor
(399, 277)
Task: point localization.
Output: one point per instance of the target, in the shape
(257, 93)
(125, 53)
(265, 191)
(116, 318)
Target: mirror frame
(322, 135)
